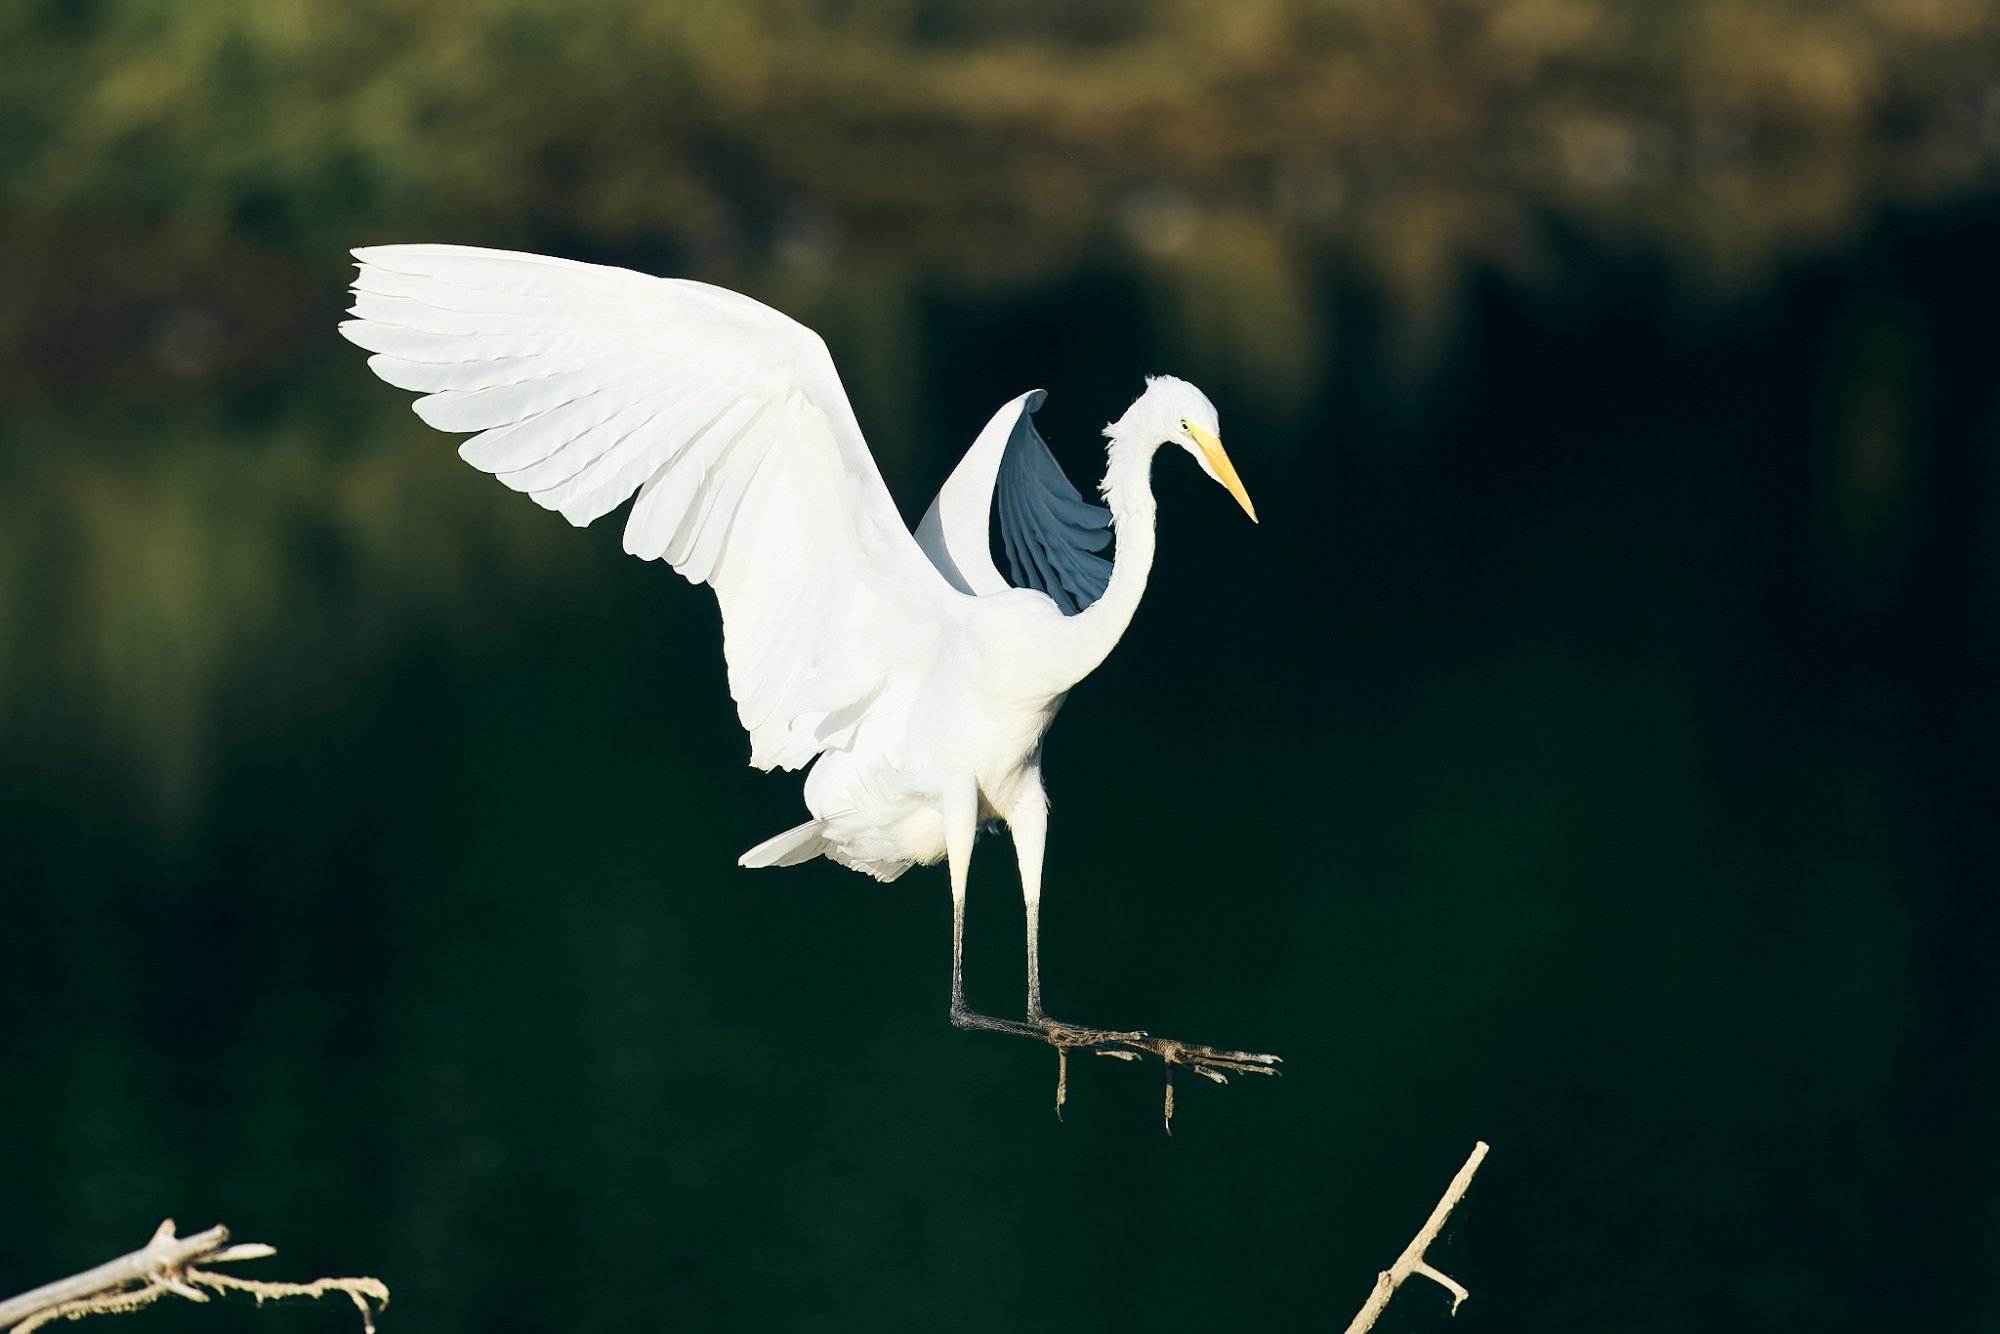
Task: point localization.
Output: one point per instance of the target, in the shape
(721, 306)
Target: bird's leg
(1029, 821)
(958, 857)
(961, 822)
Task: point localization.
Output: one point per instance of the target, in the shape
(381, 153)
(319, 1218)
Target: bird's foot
(1215, 1063)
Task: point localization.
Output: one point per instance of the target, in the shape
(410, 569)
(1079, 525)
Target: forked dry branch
(170, 1264)
(1412, 1261)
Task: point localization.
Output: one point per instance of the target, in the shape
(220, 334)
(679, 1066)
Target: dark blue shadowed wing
(1050, 533)
(1008, 486)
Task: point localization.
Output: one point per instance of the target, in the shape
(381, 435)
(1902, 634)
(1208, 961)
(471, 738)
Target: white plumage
(916, 674)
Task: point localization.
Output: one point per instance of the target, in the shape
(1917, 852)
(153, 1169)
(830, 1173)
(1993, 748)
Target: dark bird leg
(1029, 822)
(961, 822)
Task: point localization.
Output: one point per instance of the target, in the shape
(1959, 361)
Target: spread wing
(588, 384)
(1050, 533)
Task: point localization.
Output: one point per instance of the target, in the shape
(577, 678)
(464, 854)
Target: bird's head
(1174, 412)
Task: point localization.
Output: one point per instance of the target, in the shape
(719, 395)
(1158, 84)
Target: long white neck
(1089, 636)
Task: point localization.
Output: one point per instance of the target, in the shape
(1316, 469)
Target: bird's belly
(879, 818)
(882, 801)
(986, 737)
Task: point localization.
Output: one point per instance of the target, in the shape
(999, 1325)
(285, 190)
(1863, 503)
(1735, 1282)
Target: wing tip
(387, 256)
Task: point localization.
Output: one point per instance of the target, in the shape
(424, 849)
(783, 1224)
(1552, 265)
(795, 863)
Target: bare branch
(162, 1253)
(1411, 1261)
(166, 1264)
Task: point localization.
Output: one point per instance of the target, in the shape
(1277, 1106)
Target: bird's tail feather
(799, 844)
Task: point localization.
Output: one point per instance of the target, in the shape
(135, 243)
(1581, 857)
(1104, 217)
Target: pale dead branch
(169, 1264)
(1411, 1261)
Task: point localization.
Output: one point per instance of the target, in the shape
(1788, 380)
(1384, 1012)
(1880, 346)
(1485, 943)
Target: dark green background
(1591, 751)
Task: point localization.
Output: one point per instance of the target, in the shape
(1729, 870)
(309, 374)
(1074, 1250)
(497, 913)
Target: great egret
(920, 678)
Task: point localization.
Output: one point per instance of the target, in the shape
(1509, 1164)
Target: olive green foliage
(1232, 152)
(986, 138)
(152, 570)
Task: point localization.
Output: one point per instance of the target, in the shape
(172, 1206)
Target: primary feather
(587, 385)
(1050, 533)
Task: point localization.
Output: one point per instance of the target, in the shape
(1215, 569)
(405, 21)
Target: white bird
(919, 677)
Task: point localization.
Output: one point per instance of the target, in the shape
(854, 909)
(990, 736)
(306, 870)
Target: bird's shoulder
(1014, 626)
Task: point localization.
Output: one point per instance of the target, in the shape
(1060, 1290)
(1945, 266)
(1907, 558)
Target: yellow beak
(1225, 471)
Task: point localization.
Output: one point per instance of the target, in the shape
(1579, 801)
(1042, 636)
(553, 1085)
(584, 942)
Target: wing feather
(597, 450)
(1049, 533)
(520, 444)
(586, 385)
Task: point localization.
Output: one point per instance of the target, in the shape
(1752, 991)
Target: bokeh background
(1592, 751)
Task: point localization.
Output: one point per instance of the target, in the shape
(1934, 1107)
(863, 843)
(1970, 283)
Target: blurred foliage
(178, 184)
(976, 142)
(152, 571)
